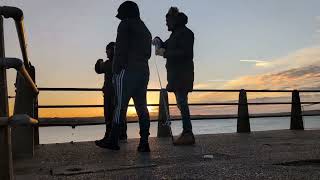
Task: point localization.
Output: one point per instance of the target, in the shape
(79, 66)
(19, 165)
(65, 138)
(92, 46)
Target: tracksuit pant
(109, 106)
(131, 84)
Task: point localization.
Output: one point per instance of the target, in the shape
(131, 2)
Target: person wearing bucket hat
(178, 51)
(131, 73)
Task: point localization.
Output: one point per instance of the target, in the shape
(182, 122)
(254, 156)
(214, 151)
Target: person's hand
(97, 66)
(157, 42)
(160, 51)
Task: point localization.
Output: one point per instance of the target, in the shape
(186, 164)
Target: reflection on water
(50, 135)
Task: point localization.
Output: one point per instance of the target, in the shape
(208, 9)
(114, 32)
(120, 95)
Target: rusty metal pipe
(22, 41)
(17, 15)
(11, 12)
(19, 66)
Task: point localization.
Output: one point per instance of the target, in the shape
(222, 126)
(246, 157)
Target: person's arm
(121, 47)
(184, 48)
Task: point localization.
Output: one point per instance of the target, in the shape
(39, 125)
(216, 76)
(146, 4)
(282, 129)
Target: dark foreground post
(296, 114)
(6, 168)
(243, 123)
(164, 115)
(23, 136)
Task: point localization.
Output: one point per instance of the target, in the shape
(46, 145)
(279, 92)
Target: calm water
(50, 135)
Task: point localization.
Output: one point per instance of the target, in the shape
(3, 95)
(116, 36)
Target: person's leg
(123, 129)
(140, 102)
(122, 91)
(108, 108)
(182, 102)
(186, 137)
(108, 104)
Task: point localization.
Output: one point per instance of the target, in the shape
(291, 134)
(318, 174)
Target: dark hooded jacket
(179, 55)
(133, 43)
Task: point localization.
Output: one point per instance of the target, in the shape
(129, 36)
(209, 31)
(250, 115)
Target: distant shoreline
(78, 121)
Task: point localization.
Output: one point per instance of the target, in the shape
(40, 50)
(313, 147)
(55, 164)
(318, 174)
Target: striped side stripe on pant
(118, 84)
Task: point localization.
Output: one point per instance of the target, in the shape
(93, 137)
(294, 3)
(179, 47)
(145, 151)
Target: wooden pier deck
(281, 154)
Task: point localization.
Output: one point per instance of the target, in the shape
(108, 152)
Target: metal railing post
(23, 137)
(243, 122)
(296, 114)
(163, 130)
(36, 116)
(6, 167)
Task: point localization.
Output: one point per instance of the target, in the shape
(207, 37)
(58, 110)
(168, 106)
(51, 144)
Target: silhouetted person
(178, 50)
(131, 73)
(105, 68)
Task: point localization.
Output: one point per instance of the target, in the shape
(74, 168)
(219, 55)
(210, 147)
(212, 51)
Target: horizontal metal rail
(191, 104)
(209, 117)
(81, 89)
(195, 90)
(79, 123)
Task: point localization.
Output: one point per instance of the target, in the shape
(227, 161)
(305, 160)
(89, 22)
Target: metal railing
(239, 104)
(26, 95)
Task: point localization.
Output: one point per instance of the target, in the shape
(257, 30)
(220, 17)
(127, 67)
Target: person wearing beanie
(178, 51)
(105, 67)
(131, 73)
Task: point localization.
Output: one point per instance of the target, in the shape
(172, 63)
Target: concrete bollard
(243, 122)
(296, 114)
(164, 115)
(23, 125)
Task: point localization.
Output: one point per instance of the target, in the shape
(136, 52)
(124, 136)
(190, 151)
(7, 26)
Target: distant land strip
(82, 121)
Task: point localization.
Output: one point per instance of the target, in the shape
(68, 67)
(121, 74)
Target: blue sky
(65, 38)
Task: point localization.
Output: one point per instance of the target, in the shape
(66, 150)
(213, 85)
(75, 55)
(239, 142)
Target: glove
(98, 66)
(160, 52)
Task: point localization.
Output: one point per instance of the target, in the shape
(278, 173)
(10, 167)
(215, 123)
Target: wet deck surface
(260, 155)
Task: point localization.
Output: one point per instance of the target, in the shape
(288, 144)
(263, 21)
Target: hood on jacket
(181, 19)
(128, 10)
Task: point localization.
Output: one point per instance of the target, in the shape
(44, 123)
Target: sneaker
(143, 147)
(123, 139)
(106, 135)
(107, 145)
(98, 142)
(185, 138)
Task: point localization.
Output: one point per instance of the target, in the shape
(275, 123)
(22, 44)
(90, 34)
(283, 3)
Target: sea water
(50, 135)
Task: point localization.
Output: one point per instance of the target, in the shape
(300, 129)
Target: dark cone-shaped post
(243, 123)
(164, 114)
(296, 114)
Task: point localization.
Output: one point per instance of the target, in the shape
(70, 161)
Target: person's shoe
(143, 147)
(186, 138)
(99, 142)
(107, 145)
(123, 139)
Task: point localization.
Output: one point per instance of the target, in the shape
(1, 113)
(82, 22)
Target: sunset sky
(266, 44)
